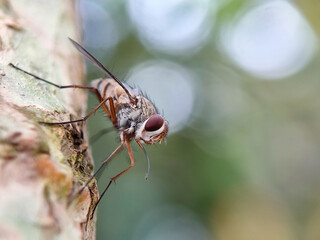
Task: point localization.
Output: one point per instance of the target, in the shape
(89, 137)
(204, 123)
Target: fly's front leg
(117, 176)
(111, 156)
(118, 149)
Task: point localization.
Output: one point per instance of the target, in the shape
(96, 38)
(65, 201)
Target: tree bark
(42, 167)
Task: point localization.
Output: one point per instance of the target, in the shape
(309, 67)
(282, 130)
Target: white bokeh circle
(271, 41)
(176, 27)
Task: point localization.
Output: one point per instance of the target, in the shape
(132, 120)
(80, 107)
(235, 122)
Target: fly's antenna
(145, 152)
(95, 62)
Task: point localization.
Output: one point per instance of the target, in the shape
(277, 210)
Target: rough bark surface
(42, 167)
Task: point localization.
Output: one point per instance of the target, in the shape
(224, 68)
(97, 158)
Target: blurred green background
(239, 84)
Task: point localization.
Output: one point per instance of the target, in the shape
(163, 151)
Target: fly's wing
(99, 65)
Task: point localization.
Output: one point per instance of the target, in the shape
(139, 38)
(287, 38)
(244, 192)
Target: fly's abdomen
(109, 88)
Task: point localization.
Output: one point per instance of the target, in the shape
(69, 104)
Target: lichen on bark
(42, 167)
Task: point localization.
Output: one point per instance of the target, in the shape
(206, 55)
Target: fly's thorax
(131, 115)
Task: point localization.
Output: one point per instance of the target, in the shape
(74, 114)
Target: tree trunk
(42, 167)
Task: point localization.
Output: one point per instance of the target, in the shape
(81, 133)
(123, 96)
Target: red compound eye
(154, 123)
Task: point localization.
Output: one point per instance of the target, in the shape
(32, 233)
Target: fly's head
(152, 130)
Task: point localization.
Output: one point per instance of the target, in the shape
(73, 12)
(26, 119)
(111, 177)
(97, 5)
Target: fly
(131, 113)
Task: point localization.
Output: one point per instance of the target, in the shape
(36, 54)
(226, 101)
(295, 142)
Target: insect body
(131, 113)
(138, 120)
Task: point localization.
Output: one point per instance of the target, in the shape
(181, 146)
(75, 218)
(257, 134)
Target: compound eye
(154, 123)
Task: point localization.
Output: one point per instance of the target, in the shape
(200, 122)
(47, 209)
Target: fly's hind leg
(95, 90)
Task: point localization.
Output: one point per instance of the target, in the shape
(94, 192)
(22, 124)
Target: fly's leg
(95, 90)
(112, 111)
(117, 176)
(117, 150)
(86, 117)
